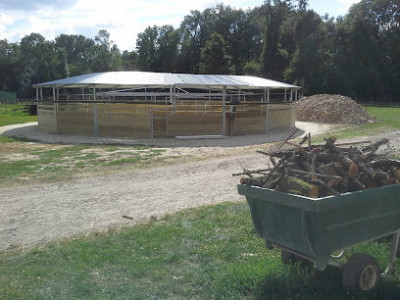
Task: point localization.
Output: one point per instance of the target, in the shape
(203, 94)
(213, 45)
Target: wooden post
(224, 110)
(267, 112)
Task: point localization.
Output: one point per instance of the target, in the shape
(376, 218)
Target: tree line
(356, 55)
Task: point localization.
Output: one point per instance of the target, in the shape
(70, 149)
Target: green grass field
(13, 114)
(211, 252)
(388, 120)
(206, 253)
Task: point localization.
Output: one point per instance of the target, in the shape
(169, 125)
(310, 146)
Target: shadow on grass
(302, 284)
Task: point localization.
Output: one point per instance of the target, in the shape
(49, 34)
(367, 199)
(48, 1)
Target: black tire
(361, 273)
(289, 258)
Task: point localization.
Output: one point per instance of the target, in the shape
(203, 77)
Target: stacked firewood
(326, 169)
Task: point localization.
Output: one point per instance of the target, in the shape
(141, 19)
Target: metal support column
(55, 105)
(224, 110)
(95, 115)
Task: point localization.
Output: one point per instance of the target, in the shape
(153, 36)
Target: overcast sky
(123, 19)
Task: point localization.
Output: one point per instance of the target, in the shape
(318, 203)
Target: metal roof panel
(143, 79)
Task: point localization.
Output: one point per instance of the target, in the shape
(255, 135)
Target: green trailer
(316, 228)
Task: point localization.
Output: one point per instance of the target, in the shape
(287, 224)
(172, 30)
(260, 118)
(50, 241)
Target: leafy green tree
(76, 53)
(213, 56)
(146, 47)
(106, 55)
(308, 62)
(9, 60)
(273, 56)
(157, 49)
(358, 56)
(167, 48)
(38, 57)
(193, 34)
(129, 60)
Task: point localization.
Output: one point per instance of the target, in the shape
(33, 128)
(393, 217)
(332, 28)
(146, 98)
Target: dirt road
(37, 214)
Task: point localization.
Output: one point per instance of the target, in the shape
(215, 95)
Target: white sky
(123, 19)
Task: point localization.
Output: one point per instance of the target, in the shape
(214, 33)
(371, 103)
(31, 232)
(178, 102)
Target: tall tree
(10, 61)
(213, 56)
(146, 47)
(167, 48)
(311, 54)
(106, 55)
(358, 54)
(129, 60)
(273, 56)
(194, 34)
(38, 57)
(76, 52)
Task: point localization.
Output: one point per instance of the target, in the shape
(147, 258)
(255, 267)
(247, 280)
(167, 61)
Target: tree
(9, 61)
(273, 56)
(167, 48)
(38, 57)
(146, 47)
(311, 54)
(193, 34)
(358, 56)
(213, 56)
(129, 60)
(157, 49)
(76, 53)
(106, 55)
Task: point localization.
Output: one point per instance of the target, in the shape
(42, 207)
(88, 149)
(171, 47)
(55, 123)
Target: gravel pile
(332, 109)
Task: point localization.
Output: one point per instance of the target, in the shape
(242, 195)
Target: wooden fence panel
(47, 118)
(133, 124)
(280, 117)
(147, 121)
(75, 119)
(183, 123)
(247, 120)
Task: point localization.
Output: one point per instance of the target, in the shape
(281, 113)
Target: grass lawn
(13, 114)
(205, 253)
(388, 120)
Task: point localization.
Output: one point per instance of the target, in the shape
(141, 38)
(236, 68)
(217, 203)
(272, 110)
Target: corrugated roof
(134, 79)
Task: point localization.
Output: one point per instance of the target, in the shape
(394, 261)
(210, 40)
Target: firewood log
(294, 185)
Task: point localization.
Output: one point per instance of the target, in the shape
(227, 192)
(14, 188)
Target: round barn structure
(153, 105)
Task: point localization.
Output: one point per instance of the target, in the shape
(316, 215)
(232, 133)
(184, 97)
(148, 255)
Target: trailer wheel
(289, 258)
(361, 273)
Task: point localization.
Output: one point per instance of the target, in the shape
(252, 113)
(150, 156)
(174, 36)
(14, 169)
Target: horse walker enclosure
(158, 105)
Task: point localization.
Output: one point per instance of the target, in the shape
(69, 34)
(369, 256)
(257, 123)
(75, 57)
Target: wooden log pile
(326, 169)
